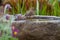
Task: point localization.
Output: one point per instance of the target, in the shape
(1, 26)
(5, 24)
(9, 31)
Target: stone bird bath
(38, 28)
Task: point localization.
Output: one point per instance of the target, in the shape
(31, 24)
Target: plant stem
(37, 7)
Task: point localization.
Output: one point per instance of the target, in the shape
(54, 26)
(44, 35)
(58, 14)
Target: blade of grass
(37, 8)
(43, 12)
(23, 9)
(18, 6)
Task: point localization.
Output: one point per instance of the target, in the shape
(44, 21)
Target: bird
(30, 12)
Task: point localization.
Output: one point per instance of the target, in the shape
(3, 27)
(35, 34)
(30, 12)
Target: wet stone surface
(31, 30)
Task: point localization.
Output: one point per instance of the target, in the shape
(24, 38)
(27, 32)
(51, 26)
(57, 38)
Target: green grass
(55, 11)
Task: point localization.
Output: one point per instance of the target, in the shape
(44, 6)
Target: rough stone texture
(31, 30)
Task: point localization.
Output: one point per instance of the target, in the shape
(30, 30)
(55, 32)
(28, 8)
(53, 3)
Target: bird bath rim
(40, 19)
